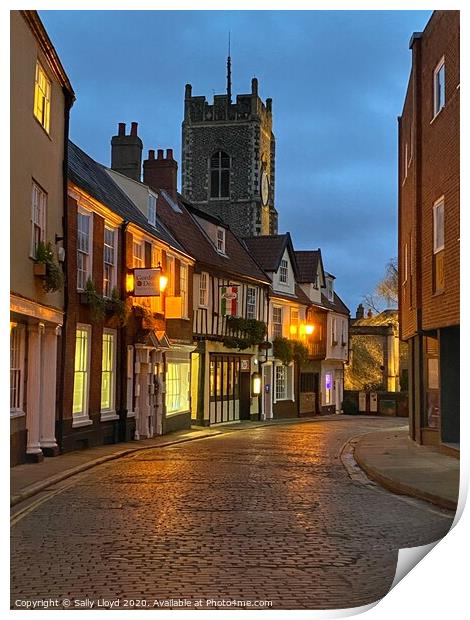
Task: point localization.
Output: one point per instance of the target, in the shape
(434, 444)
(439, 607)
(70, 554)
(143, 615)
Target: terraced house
(41, 98)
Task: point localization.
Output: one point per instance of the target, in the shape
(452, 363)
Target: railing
(317, 350)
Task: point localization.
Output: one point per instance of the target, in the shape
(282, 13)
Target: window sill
(16, 414)
(438, 293)
(215, 199)
(436, 115)
(106, 416)
(77, 423)
(169, 415)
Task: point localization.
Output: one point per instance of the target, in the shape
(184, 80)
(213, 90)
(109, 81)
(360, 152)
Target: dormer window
(221, 240)
(220, 175)
(329, 290)
(152, 209)
(284, 271)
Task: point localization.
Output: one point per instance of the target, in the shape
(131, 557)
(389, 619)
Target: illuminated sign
(147, 282)
(328, 382)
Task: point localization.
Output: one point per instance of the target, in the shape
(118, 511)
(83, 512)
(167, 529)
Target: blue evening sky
(337, 80)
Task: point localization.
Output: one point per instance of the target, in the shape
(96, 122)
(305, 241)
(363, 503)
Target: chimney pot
(160, 154)
(254, 86)
(169, 153)
(151, 154)
(121, 129)
(133, 129)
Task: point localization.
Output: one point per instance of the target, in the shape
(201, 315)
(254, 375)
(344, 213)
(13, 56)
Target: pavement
(388, 457)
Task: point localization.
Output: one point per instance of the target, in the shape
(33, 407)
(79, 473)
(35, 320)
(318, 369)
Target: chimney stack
(126, 152)
(360, 312)
(161, 173)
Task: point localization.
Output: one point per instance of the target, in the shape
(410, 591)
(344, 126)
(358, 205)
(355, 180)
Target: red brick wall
(433, 172)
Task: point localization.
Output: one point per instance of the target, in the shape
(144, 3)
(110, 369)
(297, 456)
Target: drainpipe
(69, 99)
(123, 338)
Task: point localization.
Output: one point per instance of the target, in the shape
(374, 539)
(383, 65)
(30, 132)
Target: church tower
(228, 156)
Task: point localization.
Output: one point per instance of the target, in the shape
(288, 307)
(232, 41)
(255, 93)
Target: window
(152, 209)
(329, 290)
(438, 217)
(177, 387)
(294, 322)
(184, 290)
(220, 175)
(108, 370)
(281, 382)
(109, 254)
(251, 303)
(83, 248)
(81, 372)
(284, 271)
(38, 218)
(439, 87)
(277, 322)
(17, 333)
(138, 260)
(170, 268)
(328, 388)
(203, 290)
(42, 97)
(343, 333)
(221, 240)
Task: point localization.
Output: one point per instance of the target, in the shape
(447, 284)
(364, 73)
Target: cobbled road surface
(266, 514)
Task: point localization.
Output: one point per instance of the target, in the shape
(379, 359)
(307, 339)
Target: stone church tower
(228, 156)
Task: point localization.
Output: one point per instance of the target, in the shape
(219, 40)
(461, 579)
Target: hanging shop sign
(228, 300)
(147, 282)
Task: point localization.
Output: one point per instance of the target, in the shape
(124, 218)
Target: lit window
(109, 255)
(203, 290)
(184, 289)
(284, 271)
(328, 388)
(220, 175)
(152, 209)
(83, 249)
(294, 322)
(138, 254)
(439, 87)
(277, 322)
(16, 367)
(42, 97)
(170, 268)
(438, 216)
(81, 372)
(221, 240)
(281, 382)
(38, 218)
(177, 387)
(108, 370)
(251, 303)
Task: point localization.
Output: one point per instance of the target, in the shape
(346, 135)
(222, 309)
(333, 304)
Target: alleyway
(262, 514)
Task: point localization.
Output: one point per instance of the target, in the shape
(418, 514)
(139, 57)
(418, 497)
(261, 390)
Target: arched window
(220, 175)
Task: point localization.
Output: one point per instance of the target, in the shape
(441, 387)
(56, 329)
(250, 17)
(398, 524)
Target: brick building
(429, 258)
(40, 100)
(228, 159)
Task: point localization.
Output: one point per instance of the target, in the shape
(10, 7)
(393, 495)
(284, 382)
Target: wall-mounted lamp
(163, 279)
(256, 384)
(309, 329)
(129, 283)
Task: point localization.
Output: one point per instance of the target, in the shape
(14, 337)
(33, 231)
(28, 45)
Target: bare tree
(385, 294)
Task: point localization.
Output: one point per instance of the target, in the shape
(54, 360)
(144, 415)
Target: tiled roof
(337, 305)
(184, 226)
(92, 177)
(299, 296)
(307, 263)
(267, 250)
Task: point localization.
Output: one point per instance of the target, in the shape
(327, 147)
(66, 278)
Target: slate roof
(267, 250)
(92, 177)
(307, 263)
(184, 226)
(337, 305)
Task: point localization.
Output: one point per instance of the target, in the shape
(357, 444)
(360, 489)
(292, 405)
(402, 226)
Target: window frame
(19, 368)
(109, 413)
(38, 206)
(436, 90)
(440, 203)
(81, 418)
(138, 259)
(288, 383)
(251, 302)
(221, 172)
(42, 114)
(220, 240)
(177, 383)
(89, 261)
(275, 323)
(184, 289)
(113, 279)
(284, 271)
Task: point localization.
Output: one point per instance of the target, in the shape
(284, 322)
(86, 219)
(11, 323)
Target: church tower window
(220, 175)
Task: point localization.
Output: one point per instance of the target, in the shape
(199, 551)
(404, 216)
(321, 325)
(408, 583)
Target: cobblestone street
(261, 514)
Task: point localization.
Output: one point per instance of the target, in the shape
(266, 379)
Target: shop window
(177, 387)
